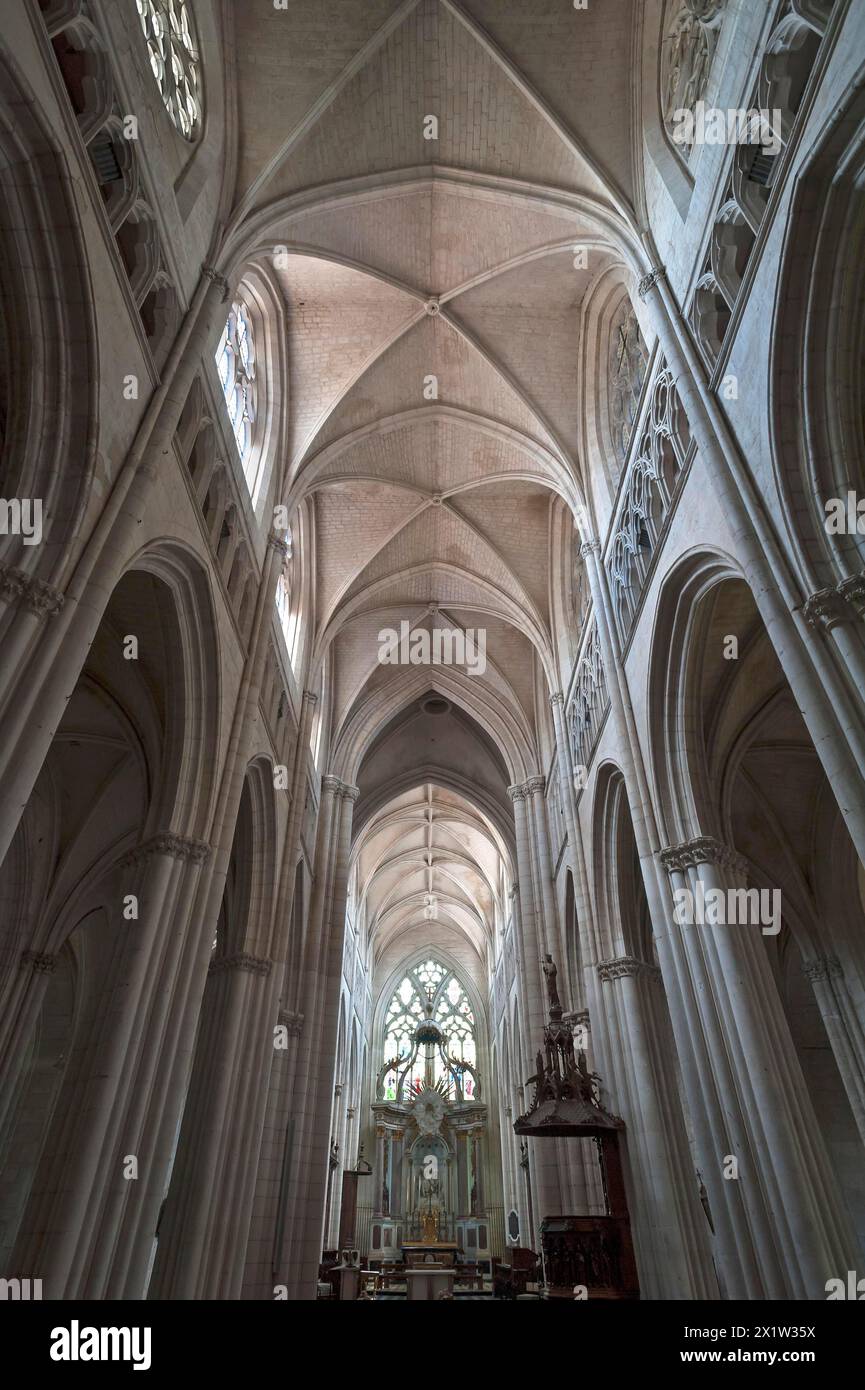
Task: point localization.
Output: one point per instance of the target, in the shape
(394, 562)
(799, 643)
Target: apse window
(170, 37)
(235, 362)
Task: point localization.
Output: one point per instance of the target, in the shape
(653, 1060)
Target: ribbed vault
(435, 277)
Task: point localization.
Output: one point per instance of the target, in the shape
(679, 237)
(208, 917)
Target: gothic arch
(47, 323)
(817, 353)
(687, 805)
(195, 703)
(622, 922)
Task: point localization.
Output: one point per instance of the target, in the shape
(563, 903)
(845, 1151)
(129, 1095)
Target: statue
(552, 992)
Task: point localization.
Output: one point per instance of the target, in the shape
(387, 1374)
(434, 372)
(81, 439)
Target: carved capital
(331, 785)
(291, 1021)
(650, 280)
(175, 846)
(823, 968)
(216, 278)
(705, 849)
(535, 784)
(16, 586)
(852, 590)
(253, 965)
(40, 962)
(590, 547)
(826, 609)
(517, 792)
(43, 599)
(277, 543)
(557, 698)
(624, 966)
(310, 697)
(348, 792)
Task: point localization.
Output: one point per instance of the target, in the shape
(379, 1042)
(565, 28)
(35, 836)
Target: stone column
(396, 1197)
(544, 1166)
(781, 1232)
(21, 1008)
(478, 1172)
(322, 976)
(549, 932)
(380, 1174)
(843, 1028)
(669, 1228)
(463, 1206)
(93, 1203)
(201, 1247)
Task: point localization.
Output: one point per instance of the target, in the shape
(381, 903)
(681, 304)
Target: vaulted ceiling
(435, 320)
(429, 871)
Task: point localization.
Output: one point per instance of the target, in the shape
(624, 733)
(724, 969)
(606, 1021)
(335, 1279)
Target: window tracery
(429, 983)
(169, 34)
(687, 52)
(628, 361)
(235, 362)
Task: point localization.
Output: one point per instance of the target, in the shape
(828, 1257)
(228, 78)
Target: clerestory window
(170, 36)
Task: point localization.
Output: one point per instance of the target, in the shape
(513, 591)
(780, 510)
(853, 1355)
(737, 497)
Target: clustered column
(780, 1231)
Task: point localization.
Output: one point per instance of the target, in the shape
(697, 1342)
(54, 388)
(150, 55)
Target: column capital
(703, 849)
(650, 280)
(852, 590)
(826, 608)
(842, 604)
(535, 784)
(291, 1021)
(517, 792)
(277, 543)
(40, 962)
(557, 698)
(174, 846)
(16, 586)
(822, 968)
(623, 967)
(216, 278)
(338, 788)
(253, 965)
(590, 547)
(309, 697)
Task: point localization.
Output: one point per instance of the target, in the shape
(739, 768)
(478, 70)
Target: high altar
(431, 1129)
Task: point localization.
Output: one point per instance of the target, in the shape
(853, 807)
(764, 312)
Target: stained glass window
(452, 1012)
(169, 33)
(235, 362)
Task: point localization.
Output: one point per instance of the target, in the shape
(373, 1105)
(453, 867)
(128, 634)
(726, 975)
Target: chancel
(432, 660)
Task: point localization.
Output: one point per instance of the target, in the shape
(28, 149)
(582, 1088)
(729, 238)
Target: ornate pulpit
(592, 1254)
